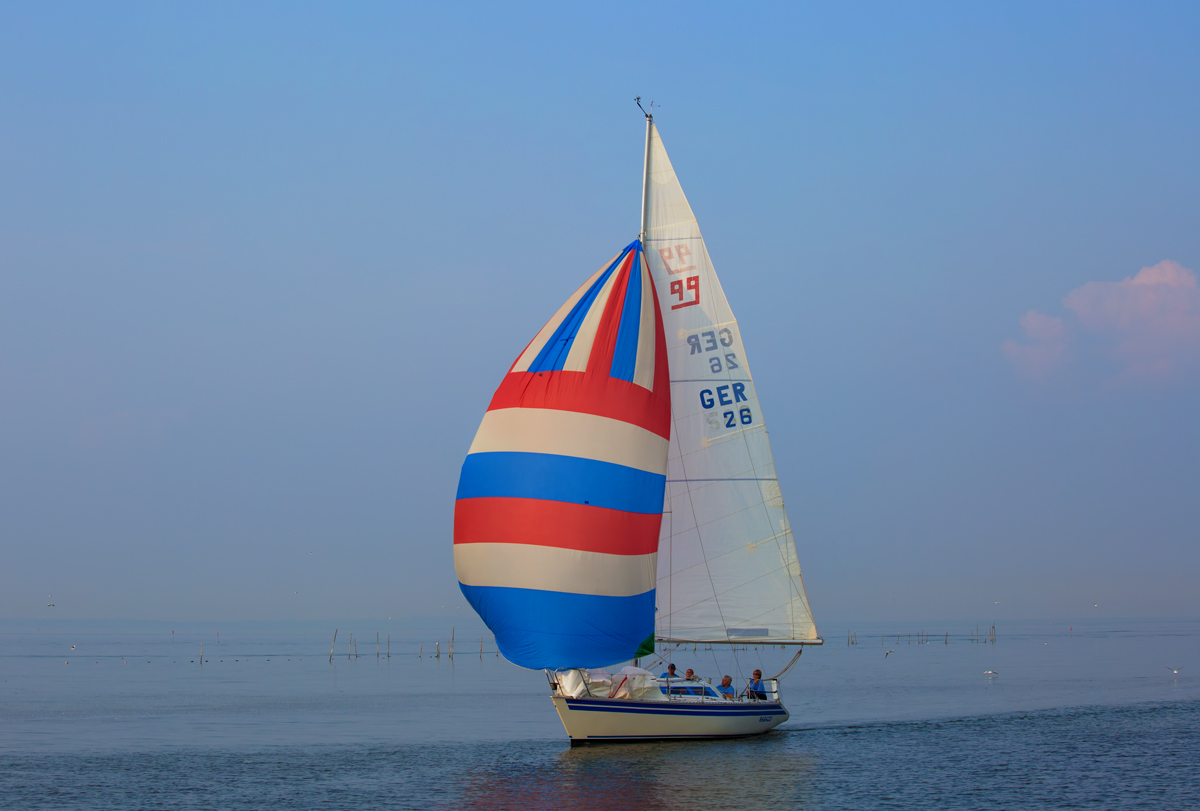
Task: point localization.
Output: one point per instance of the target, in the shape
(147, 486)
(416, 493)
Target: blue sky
(261, 268)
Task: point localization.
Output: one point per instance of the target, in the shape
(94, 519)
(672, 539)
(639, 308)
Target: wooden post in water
(389, 646)
(331, 645)
(201, 654)
(420, 650)
(349, 646)
(481, 647)
(947, 637)
(377, 646)
(437, 647)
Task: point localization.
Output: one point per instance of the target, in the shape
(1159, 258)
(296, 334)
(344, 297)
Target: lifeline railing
(672, 689)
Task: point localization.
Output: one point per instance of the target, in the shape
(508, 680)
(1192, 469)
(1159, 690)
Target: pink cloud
(1154, 316)
(1048, 348)
(1148, 325)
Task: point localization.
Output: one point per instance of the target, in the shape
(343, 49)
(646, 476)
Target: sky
(262, 267)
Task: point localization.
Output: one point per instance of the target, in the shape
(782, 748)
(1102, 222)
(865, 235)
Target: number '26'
(743, 414)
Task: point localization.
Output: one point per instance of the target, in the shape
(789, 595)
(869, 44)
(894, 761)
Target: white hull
(589, 719)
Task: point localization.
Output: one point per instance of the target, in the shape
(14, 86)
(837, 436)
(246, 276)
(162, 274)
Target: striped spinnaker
(560, 498)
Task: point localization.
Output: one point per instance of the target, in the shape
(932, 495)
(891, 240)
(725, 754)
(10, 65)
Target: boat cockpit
(636, 684)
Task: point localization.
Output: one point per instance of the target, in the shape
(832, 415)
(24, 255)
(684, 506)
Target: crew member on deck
(689, 675)
(756, 688)
(725, 688)
(670, 674)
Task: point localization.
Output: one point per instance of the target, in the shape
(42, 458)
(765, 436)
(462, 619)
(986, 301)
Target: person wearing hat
(670, 674)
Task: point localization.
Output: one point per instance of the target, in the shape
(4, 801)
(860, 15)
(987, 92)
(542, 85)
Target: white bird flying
(886, 654)
(1174, 670)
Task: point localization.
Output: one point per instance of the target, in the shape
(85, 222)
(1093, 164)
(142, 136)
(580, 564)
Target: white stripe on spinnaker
(549, 568)
(539, 341)
(643, 374)
(571, 433)
(581, 349)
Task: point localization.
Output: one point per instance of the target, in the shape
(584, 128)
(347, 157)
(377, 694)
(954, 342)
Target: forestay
(727, 565)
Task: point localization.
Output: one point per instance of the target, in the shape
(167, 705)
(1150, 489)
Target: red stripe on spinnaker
(593, 393)
(555, 523)
(662, 374)
(605, 342)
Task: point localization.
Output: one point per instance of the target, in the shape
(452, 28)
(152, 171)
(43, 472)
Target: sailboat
(620, 496)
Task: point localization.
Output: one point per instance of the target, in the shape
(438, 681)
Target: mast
(645, 171)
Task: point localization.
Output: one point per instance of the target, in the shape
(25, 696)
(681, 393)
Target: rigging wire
(790, 664)
(662, 656)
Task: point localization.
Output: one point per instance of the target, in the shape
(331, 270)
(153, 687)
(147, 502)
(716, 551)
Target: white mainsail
(727, 565)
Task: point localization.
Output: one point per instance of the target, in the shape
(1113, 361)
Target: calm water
(1076, 716)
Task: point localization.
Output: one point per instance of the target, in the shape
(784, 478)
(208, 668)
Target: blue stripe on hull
(569, 479)
(554, 629)
(614, 738)
(664, 708)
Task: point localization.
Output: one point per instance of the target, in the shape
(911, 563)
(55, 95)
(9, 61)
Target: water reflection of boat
(766, 772)
(620, 493)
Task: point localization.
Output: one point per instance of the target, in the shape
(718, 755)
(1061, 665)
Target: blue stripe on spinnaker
(508, 474)
(554, 353)
(553, 629)
(624, 361)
